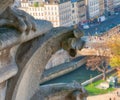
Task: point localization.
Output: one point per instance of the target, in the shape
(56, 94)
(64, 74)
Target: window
(81, 5)
(73, 5)
(73, 22)
(55, 8)
(73, 11)
(82, 15)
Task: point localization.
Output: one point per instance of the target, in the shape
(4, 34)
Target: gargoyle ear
(72, 52)
(78, 33)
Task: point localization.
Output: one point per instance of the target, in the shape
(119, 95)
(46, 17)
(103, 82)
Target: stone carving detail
(12, 17)
(74, 42)
(61, 56)
(21, 21)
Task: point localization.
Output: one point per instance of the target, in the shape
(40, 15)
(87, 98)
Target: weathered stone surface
(3, 87)
(61, 91)
(7, 72)
(62, 69)
(61, 56)
(73, 43)
(35, 55)
(4, 4)
(10, 36)
(17, 27)
(31, 64)
(12, 17)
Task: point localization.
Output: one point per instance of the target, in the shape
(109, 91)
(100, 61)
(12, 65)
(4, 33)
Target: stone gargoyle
(73, 43)
(13, 17)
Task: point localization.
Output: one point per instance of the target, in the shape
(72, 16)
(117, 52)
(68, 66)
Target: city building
(24, 3)
(109, 6)
(60, 13)
(78, 11)
(95, 8)
(112, 5)
(116, 3)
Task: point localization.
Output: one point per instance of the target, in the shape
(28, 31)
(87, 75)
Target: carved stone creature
(12, 17)
(73, 43)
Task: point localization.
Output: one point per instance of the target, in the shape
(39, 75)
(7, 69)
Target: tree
(114, 45)
(36, 4)
(99, 63)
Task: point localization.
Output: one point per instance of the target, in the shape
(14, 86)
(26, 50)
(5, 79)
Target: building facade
(60, 13)
(24, 3)
(78, 11)
(111, 5)
(116, 3)
(95, 8)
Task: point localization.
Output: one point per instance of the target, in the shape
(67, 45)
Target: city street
(109, 23)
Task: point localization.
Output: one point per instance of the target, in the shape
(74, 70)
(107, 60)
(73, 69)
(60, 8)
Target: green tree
(36, 4)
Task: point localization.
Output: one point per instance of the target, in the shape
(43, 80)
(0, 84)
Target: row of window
(94, 14)
(47, 18)
(65, 22)
(37, 14)
(53, 8)
(43, 13)
(67, 17)
(51, 13)
(24, 5)
(52, 18)
(80, 5)
(63, 6)
(50, 8)
(93, 9)
(68, 11)
(94, 2)
(36, 8)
